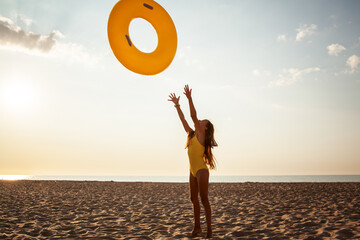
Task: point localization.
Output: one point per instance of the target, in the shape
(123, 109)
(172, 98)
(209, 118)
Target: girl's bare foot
(209, 234)
(196, 231)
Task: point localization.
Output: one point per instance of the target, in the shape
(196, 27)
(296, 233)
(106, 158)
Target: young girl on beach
(199, 145)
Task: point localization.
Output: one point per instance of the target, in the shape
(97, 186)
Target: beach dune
(117, 210)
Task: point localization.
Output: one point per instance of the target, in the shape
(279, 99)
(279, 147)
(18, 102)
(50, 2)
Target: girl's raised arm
(175, 100)
(187, 92)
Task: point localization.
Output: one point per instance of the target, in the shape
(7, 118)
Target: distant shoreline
(184, 179)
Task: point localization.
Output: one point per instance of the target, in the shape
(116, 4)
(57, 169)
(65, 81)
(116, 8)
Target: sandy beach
(115, 210)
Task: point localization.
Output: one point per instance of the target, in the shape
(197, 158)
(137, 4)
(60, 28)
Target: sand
(115, 210)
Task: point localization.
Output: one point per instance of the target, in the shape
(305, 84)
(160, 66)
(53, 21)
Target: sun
(17, 93)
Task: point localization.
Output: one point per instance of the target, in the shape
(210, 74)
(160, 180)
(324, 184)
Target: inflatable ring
(124, 50)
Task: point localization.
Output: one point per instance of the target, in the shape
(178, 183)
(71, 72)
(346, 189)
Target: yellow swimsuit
(196, 156)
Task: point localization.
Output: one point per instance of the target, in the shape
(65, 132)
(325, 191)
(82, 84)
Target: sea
(213, 178)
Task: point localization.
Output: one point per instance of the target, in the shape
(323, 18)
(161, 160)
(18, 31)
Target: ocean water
(297, 178)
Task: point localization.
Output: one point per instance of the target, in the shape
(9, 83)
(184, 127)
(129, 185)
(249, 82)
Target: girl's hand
(187, 91)
(174, 99)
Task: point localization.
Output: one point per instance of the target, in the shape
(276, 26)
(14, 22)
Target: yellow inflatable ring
(120, 17)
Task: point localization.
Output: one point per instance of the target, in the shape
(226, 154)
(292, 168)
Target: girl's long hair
(209, 144)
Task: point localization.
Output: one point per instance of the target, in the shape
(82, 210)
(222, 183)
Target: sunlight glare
(18, 95)
(13, 177)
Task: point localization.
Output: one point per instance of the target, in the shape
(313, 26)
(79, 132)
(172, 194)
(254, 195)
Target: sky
(280, 80)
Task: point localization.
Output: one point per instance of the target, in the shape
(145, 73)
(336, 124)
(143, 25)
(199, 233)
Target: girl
(199, 145)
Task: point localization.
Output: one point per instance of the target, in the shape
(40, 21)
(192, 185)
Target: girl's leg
(203, 182)
(194, 193)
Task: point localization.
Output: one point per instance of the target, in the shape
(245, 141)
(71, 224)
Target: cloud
(27, 21)
(304, 31)
(13, 35)
(353, 63)
(335, 49)
(281, 38)
(292, 75)
(256, 72)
